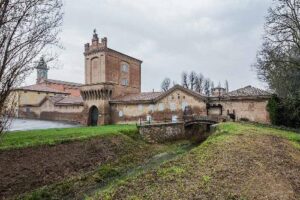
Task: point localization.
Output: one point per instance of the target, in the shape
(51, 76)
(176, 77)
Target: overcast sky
(218, 38)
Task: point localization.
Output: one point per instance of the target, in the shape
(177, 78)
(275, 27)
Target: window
(161, 107)
(151, 108)
(172, 106)
(124, 68)
(27, 110)
(120, 113)
(174, 118)
(149, 118)
(140, 107)
(124, 82)
(184, 105)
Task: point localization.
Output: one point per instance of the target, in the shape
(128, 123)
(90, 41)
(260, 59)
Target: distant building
(112, 94)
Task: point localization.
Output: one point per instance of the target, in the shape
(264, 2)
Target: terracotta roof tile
(70, 100)
(41, 88)
(247, 91)
(144, 96)
(63, 82)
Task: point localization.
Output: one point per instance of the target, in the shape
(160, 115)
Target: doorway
(93, 116)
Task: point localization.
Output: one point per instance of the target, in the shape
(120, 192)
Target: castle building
(112, 95)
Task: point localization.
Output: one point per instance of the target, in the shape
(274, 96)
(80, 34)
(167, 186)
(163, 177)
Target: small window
(151, 108)
(120, 113)
(27, 110)
(184, 105)
(161, 107)
(174, 118)
(183, 97)
(124, 82)
(172, 106)
(140, 107)
(149, 118)
(124, 68)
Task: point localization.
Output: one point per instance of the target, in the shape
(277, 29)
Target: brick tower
(108, 74)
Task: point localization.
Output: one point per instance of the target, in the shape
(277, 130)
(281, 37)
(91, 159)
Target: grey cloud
(215, 37)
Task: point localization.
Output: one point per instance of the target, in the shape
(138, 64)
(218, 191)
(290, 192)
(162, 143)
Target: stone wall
(166, 132)
(159, 133)
(59, 116)
(164, 109)
(254, 110)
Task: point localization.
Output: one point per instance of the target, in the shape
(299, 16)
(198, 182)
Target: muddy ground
(26, 169)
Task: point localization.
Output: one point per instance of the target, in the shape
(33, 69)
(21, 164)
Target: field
(239, 161)
(23, 139)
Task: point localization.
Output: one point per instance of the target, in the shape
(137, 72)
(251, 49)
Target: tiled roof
(144, 96)
(56, 98)
(66, 100)
(247, 92)
(70, 100)
(41, 88)
(63, 82)
(154, 96)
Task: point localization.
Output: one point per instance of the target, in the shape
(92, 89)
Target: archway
(93, 116)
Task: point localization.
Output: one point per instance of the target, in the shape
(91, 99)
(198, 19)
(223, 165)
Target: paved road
(28, 124)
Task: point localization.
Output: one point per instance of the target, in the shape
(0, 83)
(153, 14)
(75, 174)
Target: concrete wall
(171, 105)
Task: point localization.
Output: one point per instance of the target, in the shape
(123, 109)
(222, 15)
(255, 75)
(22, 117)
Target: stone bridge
(197, 127)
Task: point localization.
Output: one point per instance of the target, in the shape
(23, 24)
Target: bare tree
(199, 83)
(192, 80)
(207, 87)
(184, 80)
(28, 29)
(165, 85)
(227, 86)
(278, 61)
(212, 84)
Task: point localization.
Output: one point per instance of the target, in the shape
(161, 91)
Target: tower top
(96, 44)
(42, 64)
(95, 37)
(42, 71)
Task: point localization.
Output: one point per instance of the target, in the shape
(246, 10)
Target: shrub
(244, 119)
(284, 112)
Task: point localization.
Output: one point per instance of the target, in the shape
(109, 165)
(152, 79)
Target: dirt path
(27, 169)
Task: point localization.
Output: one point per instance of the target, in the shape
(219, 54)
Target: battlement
(95, 45)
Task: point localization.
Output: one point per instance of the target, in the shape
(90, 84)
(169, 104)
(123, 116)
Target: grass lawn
(21, 139)
(239, 161)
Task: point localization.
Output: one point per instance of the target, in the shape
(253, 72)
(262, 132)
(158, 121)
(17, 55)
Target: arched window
(125, 68)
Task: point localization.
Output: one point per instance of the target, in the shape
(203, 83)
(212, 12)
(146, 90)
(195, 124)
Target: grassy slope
(238, 162)
(132, 153)
(23, 139)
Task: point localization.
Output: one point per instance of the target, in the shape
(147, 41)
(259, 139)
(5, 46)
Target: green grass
(227, 129)
(21, 139)
(195, 168)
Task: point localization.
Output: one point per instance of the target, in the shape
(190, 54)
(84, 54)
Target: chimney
(104, 41)
(87, 47)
